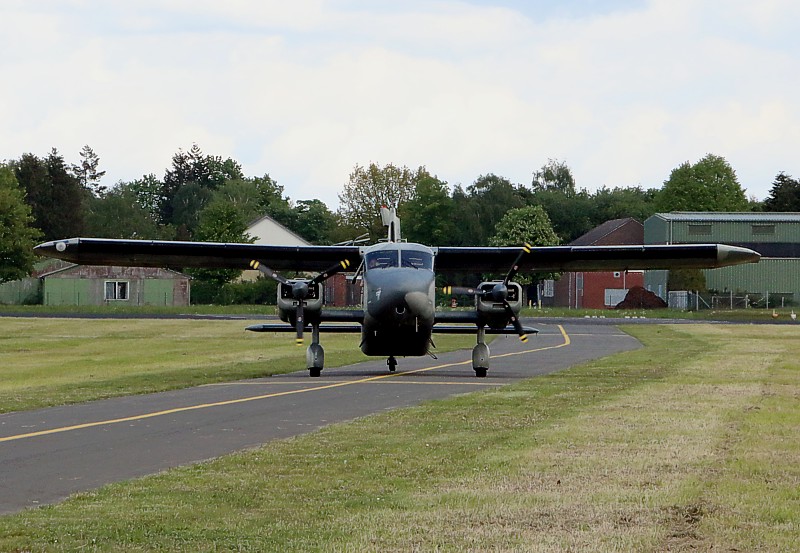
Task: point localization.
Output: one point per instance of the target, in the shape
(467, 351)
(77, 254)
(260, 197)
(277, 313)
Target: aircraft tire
(314, 372)
(480, 372)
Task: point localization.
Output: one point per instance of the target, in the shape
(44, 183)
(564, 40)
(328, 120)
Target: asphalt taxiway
(48, 454)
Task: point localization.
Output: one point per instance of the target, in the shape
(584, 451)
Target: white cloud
(304, 91)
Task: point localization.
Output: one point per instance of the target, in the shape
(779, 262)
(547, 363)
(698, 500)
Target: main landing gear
(392, 363)
(480, 355)
(315, 355)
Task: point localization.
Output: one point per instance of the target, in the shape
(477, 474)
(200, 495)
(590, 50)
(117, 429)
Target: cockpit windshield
(414, 259)
(382, 259)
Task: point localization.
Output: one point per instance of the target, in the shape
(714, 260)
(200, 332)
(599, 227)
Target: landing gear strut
(392, 362)
(315, 355)
(480, 355)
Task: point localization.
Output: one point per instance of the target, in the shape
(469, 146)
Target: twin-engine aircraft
(398, 315)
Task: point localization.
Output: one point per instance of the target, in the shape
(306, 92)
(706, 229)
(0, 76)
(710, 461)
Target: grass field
(753, 314)
(46, 361)
(688, 444)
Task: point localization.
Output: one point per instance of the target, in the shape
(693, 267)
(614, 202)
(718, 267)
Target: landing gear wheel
(315, 355)
(480, 355)
(392, 362)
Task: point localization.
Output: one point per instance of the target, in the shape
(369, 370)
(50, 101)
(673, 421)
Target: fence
(694, 301)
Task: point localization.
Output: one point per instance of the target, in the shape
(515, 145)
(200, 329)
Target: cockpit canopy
(386, 258)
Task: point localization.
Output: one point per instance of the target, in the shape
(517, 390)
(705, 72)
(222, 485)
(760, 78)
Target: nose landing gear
(392, 363)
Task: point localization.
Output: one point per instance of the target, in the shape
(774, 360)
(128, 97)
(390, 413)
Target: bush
(259, 292)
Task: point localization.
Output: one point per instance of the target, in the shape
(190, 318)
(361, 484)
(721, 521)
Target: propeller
(501, 291)
(300, 288)
(498, 292)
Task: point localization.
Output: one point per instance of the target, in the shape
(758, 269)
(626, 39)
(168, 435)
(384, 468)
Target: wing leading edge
(158, 253)
(595, 258)
(161, 253)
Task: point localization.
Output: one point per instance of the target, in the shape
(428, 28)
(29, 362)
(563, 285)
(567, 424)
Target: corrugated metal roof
(716, 216)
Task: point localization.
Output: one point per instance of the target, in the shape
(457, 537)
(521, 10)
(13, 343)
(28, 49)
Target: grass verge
(687, 444)
(46, 362)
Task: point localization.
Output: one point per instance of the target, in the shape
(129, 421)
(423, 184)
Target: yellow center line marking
(404, 381)
(165, 412)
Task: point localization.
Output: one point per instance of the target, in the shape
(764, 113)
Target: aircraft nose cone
(420, 304)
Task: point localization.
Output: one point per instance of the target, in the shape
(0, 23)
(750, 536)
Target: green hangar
(776, 236)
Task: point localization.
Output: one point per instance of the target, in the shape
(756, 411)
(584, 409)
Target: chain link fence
(696, 301)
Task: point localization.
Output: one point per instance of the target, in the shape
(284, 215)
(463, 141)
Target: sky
(623, 91)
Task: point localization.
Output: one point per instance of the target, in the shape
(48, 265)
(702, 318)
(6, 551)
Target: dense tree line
(206, 197)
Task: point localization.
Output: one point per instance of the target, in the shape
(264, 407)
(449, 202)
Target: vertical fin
(391, 221)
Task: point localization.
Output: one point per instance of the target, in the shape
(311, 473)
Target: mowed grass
(687, 444)
(46, 362)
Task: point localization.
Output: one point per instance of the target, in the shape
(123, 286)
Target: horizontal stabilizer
(286, 327)
(468, 329)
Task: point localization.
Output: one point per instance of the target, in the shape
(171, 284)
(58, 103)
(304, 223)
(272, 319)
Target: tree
(187, 204)
(618, 203)
(204, 172)
(489, 198)
(693, 280)
(86, 171)
(146, 190)
(272, 202)
(428, 217)
(708, 185)
(468, 230)
(17, 235)
(119, 214)
(221, 170)
(523, 225)
(369, 188)
(571, 215)
(528, 224)
(784, 195)
(220, 222)
(55, 196)
(554, 176)
(314, 221)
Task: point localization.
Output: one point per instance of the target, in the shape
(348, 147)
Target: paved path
(48, 454)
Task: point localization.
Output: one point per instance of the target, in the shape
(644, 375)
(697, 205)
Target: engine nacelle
(489, 302)
(287, 303)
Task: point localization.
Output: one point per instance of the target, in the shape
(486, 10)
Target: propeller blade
(274, 275)
(330, 271)
(515, 321)
(526, 248)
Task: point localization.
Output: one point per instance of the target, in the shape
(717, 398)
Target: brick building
(598, 289)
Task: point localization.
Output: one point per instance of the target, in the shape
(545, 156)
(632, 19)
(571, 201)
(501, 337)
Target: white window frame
(121, 290)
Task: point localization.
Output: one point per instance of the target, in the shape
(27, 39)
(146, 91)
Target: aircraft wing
(162, 253)
(593, 258)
